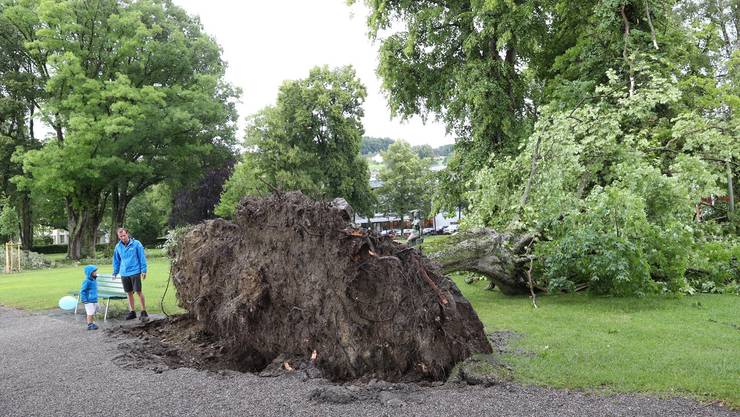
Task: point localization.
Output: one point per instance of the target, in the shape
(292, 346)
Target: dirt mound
(291, 278)
(178, 342)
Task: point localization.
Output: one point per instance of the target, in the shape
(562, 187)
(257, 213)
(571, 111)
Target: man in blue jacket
(129, 260)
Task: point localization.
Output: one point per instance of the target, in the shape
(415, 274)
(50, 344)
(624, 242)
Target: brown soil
(291, 279)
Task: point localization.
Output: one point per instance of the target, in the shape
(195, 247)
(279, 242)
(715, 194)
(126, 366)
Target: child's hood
(89, 269)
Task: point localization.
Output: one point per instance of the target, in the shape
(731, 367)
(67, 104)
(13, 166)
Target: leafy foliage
(30, 260)
(146, 217)
(614, 216)
(174, 240)
(406, 181)
(242, 182)
(423, 151)
(599, 126)
(308, 141)
(197, 203)
(141, 97)
(8, 221)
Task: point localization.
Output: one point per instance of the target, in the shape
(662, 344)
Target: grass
(672, 346)
(669, 346)
(42, 289)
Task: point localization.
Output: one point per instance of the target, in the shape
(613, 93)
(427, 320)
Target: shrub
(174, 237)
(43, 241)
(103, 248)
(49, 249)
(714, 266)
(30, 260)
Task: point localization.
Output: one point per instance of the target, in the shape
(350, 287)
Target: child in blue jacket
(89, 295)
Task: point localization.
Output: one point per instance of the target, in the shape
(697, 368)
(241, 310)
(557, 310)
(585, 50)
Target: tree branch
(625, 53)
(650, 23)
(707, 158)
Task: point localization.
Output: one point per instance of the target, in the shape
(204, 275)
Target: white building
(61, 237)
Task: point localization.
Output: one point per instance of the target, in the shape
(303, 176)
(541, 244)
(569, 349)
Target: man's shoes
(92, 326)
(143, 316)
(131, 315)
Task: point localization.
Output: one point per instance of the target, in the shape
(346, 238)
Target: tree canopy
(406, 181)
(135, 94)
(599, 127)
(309, 141)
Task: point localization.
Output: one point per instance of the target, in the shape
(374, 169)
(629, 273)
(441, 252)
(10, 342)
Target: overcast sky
(267, 42)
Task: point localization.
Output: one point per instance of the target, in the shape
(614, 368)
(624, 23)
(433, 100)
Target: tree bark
(499, 257)
(121, 196)
(625, 53)
(650, 23)
(82, 224)
(76, 224)
(532, 170)
(58, 130)
(730, 189)
(24, 207)
(118, 213)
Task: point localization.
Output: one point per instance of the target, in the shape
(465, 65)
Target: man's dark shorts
(132, 283)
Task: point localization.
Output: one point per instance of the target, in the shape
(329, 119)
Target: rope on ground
(161, 302)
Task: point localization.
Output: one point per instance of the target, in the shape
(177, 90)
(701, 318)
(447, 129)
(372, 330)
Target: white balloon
(67, 302)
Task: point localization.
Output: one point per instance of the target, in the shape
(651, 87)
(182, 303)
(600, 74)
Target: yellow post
(12, 257)
(18, 248)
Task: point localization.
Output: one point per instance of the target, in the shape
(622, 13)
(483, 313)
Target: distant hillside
(371, 146)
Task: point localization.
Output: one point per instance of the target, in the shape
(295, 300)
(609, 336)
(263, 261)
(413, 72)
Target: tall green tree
(424, 151)
(406, 181)
(310, 139)
(244, 181)
(485, 67)
(146, 218)
(8, 221)
(598, 125)
(19, 89)
(135, 95)
(464, 63)
(194, 204)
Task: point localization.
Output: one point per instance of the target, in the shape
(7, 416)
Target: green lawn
(675, 346)
(41, 289)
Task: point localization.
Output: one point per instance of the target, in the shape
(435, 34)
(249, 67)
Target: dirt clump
(291, 281)
(177, 342)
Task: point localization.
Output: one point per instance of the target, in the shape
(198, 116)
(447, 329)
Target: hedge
(49, 249)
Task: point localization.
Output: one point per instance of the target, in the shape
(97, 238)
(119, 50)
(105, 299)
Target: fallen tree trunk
(291, 277)
(501, 258)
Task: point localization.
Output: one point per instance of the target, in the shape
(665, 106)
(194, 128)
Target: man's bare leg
(131, 304)
(141, 300)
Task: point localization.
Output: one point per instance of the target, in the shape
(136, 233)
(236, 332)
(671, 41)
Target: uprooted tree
(292, 278)
(502, 258)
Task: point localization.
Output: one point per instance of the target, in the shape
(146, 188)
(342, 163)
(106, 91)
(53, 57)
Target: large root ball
(292, 277)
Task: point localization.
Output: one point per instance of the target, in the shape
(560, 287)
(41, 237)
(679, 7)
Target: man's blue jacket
(129, 259)
(89, 288)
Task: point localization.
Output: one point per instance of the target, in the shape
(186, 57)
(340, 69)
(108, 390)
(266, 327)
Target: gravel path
(51, 366)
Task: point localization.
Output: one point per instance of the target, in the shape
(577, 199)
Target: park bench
(109, 288)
